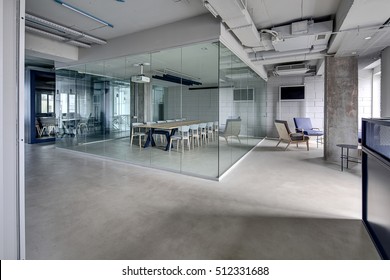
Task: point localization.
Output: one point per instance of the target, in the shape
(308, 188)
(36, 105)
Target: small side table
(346, 157)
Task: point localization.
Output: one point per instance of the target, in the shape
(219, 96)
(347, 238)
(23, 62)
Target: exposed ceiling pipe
(275, 54)
(292, 58)
(64, 29)
(57, 37)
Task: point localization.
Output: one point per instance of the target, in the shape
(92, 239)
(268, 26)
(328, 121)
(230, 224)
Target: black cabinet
(376, 182)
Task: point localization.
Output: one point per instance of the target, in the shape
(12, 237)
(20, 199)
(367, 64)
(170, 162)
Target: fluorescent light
(77, 10)
(210, 8)
(368, 38)
(64, 29)
(57, 37)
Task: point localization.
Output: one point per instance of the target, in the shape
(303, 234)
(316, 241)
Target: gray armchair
(231, 129)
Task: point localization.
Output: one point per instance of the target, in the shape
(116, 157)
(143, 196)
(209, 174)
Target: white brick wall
(364, 96)
(312, 107)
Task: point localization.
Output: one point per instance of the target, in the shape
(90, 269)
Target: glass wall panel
(242, 109)
(200, 103)
(200, 112)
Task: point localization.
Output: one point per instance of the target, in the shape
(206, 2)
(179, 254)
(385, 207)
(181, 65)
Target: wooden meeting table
(168, 129)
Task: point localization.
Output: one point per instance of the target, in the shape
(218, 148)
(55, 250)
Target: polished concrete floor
(274, 204)
(208, 160)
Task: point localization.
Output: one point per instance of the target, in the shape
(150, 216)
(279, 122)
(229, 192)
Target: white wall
(252, 113)
(312, 107)
(11, 128)
(189, 31)
(385, 83)
(376, 95)
(364, 95)
(50, 49)
(191, 104)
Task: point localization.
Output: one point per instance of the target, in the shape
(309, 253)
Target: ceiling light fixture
(368, 38)
(56, 37)
(64, 29)
(81, 12)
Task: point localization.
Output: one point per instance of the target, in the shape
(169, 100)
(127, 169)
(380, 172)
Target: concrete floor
(206, 161)
(272, 205)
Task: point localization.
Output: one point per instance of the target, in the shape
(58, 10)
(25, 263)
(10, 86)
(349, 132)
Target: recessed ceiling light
(354, 52)
(368, 38)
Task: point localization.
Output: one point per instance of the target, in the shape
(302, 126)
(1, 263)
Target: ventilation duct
(235, 15)
(302, 35)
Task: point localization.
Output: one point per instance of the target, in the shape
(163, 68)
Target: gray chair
(285, 135)
(232, 129)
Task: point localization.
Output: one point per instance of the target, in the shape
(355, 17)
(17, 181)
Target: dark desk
(346, 157)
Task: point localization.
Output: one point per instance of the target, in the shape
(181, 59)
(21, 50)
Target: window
(243, 94)
(64, 103)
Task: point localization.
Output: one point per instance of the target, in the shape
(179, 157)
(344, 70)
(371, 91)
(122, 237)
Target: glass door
(43, 124)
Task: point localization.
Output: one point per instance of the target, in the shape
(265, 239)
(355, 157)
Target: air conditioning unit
(293, 69)
(140, 79)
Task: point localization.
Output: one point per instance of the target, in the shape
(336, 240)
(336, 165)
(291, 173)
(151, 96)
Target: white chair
(203, 132)
(216, 129)
(210, 131)
(194, 134)
(40, 130)
(184, 134)
(162, 138)
(136, 132)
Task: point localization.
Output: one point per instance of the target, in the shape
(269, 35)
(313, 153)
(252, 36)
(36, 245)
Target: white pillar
(385, 83)
(12, 242)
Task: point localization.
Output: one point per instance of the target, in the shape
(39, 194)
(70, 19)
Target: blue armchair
(304, 126)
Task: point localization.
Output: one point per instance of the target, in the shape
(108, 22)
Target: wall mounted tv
(292, 92)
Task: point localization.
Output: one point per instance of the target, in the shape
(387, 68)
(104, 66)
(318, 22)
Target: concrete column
(11, 129)
(385, 83)
(341, 104)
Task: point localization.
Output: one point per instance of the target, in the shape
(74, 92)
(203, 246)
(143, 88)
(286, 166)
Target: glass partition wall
(202, 88)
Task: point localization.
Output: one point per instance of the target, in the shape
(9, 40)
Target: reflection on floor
(203, 161)
(275, 204)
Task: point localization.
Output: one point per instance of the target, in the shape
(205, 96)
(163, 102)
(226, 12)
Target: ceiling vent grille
(293, 69)
(321, 37)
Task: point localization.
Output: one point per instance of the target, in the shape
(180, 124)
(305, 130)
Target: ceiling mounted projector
(141, 78)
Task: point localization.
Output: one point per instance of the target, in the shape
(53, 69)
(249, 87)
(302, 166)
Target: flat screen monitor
(292, 92)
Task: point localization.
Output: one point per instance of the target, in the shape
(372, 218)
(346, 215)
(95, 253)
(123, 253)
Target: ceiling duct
(302, 35)
(292, 69)
(235, 15)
